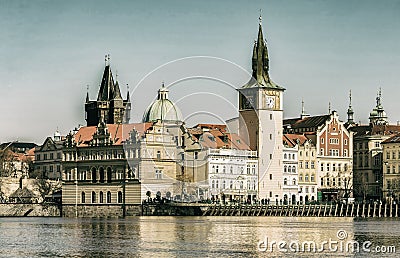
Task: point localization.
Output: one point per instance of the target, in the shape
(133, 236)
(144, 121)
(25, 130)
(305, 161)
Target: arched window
(294, 181)
(213, 184)
(306, 178)
(312, 178)
(108, 197)
(285, 168)
(94, 175)
(119, 197)
(93, 197)
(101, 172)
(109, 175)
(294, 169)
(231, 184)
(83, 197)
(101, 197)
(285, 181)
(223, 184)
(217, 184)
(285, 156)
(301, 177)
(241, 184)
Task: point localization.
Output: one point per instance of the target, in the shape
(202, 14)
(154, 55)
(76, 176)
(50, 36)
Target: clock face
(270, 102)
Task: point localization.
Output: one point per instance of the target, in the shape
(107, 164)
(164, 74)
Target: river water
(199, 237)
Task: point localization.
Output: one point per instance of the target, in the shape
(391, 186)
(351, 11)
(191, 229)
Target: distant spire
(128, 98)
(350, 112)
(87, 93)
(329, 107)
(303, 111)
(378, 97)
(260, 17)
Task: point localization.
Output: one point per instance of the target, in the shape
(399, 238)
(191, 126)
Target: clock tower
(260, 121)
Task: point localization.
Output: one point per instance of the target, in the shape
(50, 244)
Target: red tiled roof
(291, 139)
(118, 132)
(393, 139)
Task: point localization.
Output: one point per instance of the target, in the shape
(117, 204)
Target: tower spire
(303, 111)
(350, 112)
(128, 98)
(260, 63)
(329, 107)
(87, 93)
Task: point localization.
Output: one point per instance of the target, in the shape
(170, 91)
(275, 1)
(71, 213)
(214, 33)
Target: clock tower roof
(260, 64)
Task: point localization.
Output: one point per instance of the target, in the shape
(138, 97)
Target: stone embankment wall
(100, 211)
(29, 210)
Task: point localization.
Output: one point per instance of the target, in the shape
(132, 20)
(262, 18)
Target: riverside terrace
(362, 210)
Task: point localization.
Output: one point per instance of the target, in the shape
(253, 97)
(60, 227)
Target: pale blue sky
(319, 50)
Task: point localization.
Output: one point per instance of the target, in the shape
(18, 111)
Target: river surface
(199, 237)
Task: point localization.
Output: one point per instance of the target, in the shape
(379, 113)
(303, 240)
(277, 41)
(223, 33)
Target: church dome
(162, 109)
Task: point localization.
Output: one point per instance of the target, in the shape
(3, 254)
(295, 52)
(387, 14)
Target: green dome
(162, 109)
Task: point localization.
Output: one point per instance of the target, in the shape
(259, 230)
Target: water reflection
(186, 236)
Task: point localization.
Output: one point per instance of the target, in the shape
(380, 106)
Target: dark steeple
(350, 112)
(109, 106)
(260, 63)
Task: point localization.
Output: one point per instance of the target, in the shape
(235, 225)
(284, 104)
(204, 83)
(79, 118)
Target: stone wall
(100, 210)
(29, 210)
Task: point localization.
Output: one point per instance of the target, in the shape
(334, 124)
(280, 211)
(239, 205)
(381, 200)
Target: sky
(319, 50)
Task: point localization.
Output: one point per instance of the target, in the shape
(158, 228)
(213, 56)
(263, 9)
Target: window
(301, 164)
(328, 166)
(285, 168)
(94, 175)
(333, 167)
(93, 197)
(216, 169)
(312, 178)
(387, 169)
(224, 169)
(217, 184)
(158, 155)
(301, 177)
(223, 184)
(294, 181)
(101, 197)
(333, 182)
(322, 140)
(322, 166)
(213, 184)
(306, 178)
(345, 153)
(83, 197)
(306, 189)
(231, 169)
(387, 155)
(334, 152)
(345, 167)
(38, 157)
(270, 136)
(270, 176)
(196, 155)
(312, 189)
(377, 144)
(334, 141)
(306, 164)
(253, 169)
(285, 156)
(45, 156)
(119, 197)
(119, 175)
(312, 165)
(393, 169)
(248, 169)
(101, 172)
(158, 174)
(108, 197)
(327, 181)
(51, 156)
(339, 167)
(51, 168)
(241, 184)
(345, 141)
(322, 181)
(322, 151)
(285, 181)
(58, 168)
(294, 169)
(68, 175)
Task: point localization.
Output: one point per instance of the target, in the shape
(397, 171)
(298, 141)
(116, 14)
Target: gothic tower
(350, 113)
(260, 121)
(109, 106)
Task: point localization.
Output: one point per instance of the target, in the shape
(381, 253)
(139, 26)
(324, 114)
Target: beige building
(391, 168)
